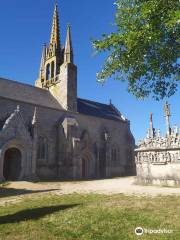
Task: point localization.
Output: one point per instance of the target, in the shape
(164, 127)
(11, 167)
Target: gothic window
(42, 148)
(52, 69)
(115, 154)
(112, 154)
(85, 139)
(118, 154)
(96, 150)
(48, 72)
(102, 162)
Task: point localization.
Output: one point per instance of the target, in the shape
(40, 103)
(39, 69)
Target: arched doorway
(12, 164)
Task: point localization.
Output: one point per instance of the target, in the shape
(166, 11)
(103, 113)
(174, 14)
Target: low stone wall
(166, 174)
(158, 166)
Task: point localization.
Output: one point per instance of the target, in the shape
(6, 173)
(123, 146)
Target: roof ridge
(115, 109)
(93, 101)
(24, 84)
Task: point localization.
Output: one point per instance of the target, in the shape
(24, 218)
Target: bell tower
(58, 74)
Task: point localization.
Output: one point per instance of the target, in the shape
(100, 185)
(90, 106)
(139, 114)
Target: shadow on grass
(8, 192)
(33, 214)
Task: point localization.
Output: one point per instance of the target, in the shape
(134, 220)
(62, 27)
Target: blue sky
(26, 25)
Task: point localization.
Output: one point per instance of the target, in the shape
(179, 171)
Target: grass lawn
(89, 217)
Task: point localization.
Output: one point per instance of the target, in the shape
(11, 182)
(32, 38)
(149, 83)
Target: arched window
(102, 161)
(118, 154)
(114, 154)
(48, 72)
(52, 69)
(42, 148)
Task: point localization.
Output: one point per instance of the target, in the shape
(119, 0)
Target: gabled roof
(26, 93)
(96, 109)
(37, 96)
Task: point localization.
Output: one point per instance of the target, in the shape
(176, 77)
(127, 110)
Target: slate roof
(96, 109)
(29, 94)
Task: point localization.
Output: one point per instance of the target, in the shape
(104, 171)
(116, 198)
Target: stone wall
(158, 166)
(88, 137)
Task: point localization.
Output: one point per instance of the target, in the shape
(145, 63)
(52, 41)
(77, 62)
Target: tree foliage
(144, 50)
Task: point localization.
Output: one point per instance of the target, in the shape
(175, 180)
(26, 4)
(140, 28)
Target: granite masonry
(47, 132)
(158, 157)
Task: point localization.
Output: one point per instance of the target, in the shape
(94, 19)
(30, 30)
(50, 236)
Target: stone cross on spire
(167, 109)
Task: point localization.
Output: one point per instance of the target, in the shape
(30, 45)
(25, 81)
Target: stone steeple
(52, 56)
(58, 73)
(43, 59)
(68, 52)
(55, 33)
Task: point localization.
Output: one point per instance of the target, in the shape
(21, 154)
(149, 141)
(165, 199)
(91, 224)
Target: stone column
(151, 129)
(167, 116)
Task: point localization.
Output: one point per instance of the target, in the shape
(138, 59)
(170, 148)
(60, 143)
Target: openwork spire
(55, 33)
(68, 53)
(43, 59)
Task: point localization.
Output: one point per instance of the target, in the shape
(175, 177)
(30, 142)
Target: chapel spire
(43, 59)
(68, 53)
(55, 33)
(58, 73)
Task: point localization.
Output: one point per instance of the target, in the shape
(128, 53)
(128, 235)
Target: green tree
(144, 49)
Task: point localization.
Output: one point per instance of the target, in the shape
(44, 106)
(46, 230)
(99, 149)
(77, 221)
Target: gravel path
(124, 185)
(16, 191)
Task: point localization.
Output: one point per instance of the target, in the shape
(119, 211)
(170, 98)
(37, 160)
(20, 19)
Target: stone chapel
(47, 132)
